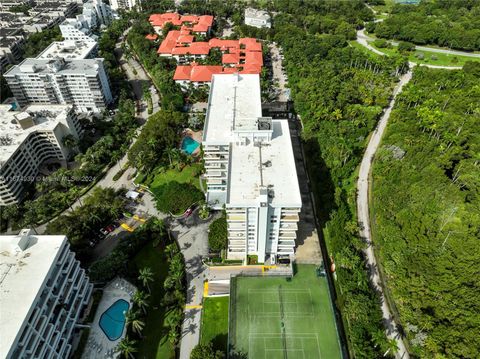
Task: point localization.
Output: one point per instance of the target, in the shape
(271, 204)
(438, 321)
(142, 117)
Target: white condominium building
(27, 139)
(80, 82)
(98, 13)
(70, 49)
(250, 169)
(257, 18)
(124, 4)
(43, 292)
(77, 29)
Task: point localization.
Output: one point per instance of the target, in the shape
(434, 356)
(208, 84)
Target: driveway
(192, 236)
(278, 74)
(363, 213)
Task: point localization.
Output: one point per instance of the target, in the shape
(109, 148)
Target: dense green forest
(339, 93)
(449, 23)
(427, 211)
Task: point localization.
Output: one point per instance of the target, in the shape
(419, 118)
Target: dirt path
(364, 218)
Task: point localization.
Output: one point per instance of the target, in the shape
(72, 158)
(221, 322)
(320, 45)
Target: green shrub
(405, 46)
(252, 259)
(382, 44)
(119, 174)
(174, 197)
(217, 235)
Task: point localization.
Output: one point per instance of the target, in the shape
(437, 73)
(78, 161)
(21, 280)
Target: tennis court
(273, 317)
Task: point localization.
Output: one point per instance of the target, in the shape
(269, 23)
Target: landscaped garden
(152, 260)
(214, 327)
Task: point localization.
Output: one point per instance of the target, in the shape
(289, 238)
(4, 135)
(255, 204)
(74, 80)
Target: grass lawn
(215, 322)
(189, 174)
(276, 317)
(441, 59)
(155, 343)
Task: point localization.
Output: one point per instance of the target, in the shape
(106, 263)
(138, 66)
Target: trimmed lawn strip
(155, 342)
(442, 59)
(215, 322)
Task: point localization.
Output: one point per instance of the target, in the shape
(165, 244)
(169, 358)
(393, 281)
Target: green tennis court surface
(272, 317)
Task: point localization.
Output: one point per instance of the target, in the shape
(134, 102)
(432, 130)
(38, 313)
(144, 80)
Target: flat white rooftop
(42, 118)
(22, 275)
(234, 103)
(69, 49)
(235, 106)
(271, 165)
(86, 67)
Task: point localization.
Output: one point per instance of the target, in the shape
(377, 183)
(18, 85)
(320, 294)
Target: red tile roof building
(243, 56)
(198, 24)
(151, 37)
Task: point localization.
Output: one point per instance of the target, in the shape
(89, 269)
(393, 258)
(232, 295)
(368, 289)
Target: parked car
(104, 231)
(110, 228)
(188, 212)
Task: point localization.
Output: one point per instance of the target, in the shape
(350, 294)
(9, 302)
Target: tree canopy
(450, 23)
(427, 211)
(161, 132)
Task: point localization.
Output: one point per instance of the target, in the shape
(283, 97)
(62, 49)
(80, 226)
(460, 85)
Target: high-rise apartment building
(124, 4)
(250, 170)
(28, 138)
(43, 292)
(79, 82)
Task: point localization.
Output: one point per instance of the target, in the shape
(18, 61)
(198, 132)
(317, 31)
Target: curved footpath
(364, 218)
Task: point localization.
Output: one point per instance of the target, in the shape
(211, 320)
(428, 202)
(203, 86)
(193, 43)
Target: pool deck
(197, 136)
(98, 345)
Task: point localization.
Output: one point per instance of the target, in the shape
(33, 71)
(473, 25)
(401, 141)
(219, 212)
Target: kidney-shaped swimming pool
(112, 321)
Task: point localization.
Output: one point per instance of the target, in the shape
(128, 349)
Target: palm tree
(69, 142)
(134, 321)
(173, 336)
(146, 276)
(392, 347)
(127, 347)
(140, 299)
(171, 154)
(76, 192)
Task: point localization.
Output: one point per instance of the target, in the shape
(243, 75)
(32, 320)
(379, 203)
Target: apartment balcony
(215, 166)
(215, 174)
(290, 218)
(215, 158)
(236, 217)
(239, 225)
(285, 250)
(288, 226)
(287, 235)
(286, 243)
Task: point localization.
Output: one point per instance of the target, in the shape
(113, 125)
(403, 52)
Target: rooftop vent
(264, 123)
(6, 140)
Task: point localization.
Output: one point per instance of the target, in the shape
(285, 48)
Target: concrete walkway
(364, 219)
(192, 236)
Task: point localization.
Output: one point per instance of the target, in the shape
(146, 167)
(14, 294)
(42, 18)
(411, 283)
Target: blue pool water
(189, 145)
(112, 320)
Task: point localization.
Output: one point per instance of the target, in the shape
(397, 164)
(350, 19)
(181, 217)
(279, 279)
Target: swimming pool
(112, 320)
(189, 145)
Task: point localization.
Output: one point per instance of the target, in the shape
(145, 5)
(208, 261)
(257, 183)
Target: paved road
(192, 236)
(278, 74)
(363, 40)
(364, 219)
